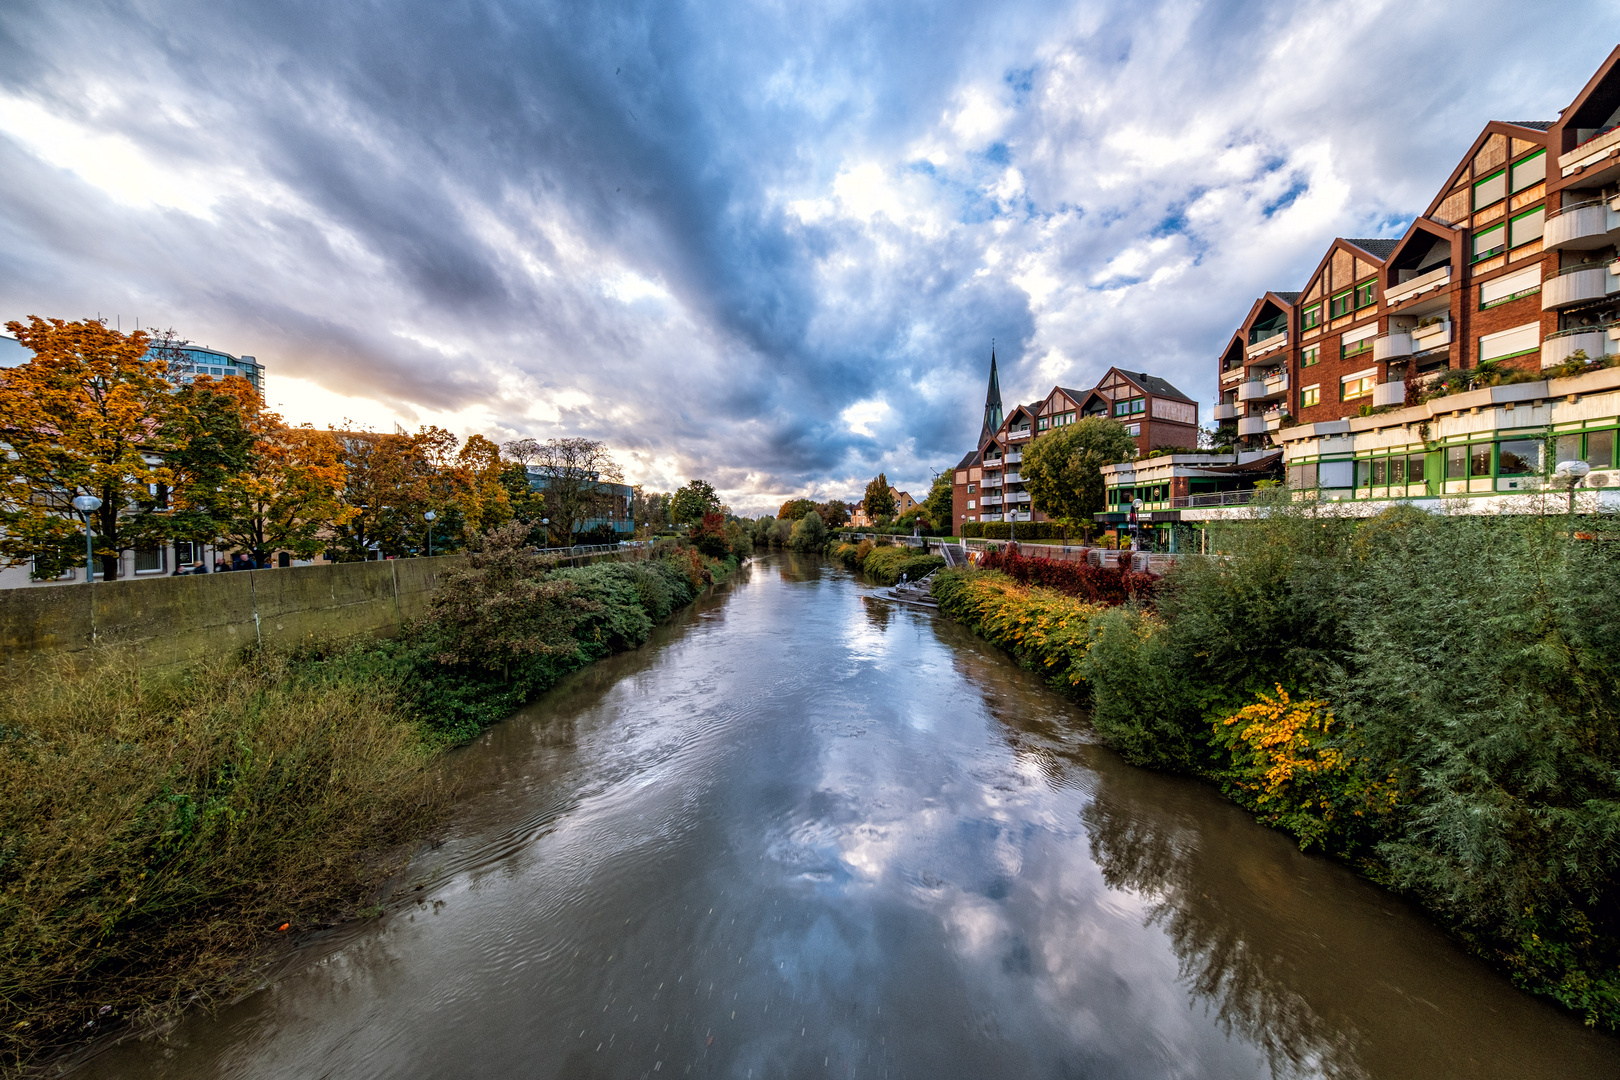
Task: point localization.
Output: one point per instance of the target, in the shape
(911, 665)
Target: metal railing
(1213, 498)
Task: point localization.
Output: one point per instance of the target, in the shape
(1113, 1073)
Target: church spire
(992, 401)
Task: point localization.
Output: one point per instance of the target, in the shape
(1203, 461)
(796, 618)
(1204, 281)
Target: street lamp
(87, 505)
(546, 523)
(430, 517)
(1136, 511)
(1569, 473)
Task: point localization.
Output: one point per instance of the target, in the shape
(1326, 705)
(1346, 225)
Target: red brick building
(987, 485)
(1511, 264)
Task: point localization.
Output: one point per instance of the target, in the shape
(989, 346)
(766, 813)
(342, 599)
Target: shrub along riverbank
(1433, 699)
(883, 562)
(161, 831)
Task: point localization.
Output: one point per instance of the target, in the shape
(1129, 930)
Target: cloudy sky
(764, 243)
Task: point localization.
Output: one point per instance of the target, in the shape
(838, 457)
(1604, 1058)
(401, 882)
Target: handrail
(1578, 267)
(1600, 328)
(1575, 206)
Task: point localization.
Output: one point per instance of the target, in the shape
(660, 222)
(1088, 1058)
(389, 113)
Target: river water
(805, 833)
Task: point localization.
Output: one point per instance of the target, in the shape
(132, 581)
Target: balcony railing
(1261, 389)
(1266, 344)
(1578, 284)
(1583, 227)
(1013, 459)
(1433, 336)
(1391, 346)
(1251, 425)
(1390, 393)
(1019, 434)
(1434, 279)
(1213, 498)
(1595, 341)
(1226, 411)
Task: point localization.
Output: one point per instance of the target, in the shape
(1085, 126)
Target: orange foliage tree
(85, 416)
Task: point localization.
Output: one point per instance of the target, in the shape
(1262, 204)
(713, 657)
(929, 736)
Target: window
(1340, 305)
(1414, 468)
(1309, 356)
(1311, 395)
(1479, 460)
(1490, 242)
(1302, 477)
(1600, 449)
(1380, 472)
(1529, 172)
(1353, 387)
(1363, 473)
(970, 504)
(1519, 457)
(148, 560)
(1456, 463)
(187, 553)
(1040, 425)
(1366, 293)
(1527, 227)
(1133, 430)
(1122, 408)
(971, 488)
(1357, 347)
(1492, 189)
(1138, 405)
(1510, 287)
(1335, 474)
(1311, 317)
(1511, 342)
(1397, 470)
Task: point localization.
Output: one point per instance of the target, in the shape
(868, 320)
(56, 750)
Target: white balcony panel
(1265, 345)
(1019, 435)
(1581, 228)
(1390, 393)
(1274, 419)
(1226, 411)
(1577, 287)
(1560, 347)
(1433, 336)
(1252, 425)
(1434, 279)
(1392, 346)
(1277, 384)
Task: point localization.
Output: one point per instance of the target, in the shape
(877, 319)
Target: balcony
(1404, 291)
(1579, 284)
(989, 517)
(1595, 341)
(1583, 227)
(1275, 417)
(1251, 425)
(1392, 346)
(1014, 478)
(1226, 411)
(1434, 336)
(1264, 389)
(990, 500)
(1013, 459)
(1267, 344)
(1019, 434)
(1389, 393)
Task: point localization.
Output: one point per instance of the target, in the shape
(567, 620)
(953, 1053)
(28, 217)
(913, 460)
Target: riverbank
(163, 830)
(883, 561)
(1432, 700)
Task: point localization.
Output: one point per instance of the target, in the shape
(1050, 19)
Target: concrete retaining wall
(172, 620)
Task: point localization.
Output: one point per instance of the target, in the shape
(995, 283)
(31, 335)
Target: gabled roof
(1153, 384)
(970, 459)
(1537, 125)
(1378, 249)
(1290, 297)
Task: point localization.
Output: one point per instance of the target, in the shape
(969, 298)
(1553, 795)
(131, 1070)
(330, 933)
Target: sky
(765, 244)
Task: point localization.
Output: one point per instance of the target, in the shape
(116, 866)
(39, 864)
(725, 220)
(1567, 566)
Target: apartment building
(987, 484)
(1509, 271)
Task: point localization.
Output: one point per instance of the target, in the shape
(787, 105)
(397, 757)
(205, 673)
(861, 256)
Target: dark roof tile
(1537, 125)
(1378, 249)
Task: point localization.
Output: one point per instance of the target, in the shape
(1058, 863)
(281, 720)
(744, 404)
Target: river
(805, 833)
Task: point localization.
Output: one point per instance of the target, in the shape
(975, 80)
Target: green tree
(834, 512)
(940, 504)
(1062, 469)
(528, 505)
(794, 509)
(692, 502)
(810, 534)
(879, 499)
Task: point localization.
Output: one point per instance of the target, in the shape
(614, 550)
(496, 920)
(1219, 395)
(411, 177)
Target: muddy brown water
(805, 833)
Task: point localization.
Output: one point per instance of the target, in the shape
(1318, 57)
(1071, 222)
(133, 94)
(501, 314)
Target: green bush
(1021, 530)
(810, 534)
(885, 564)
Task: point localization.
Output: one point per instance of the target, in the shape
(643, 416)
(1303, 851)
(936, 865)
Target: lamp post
(87, 505)
(1569, 473)
(430, 517)
(546, 524)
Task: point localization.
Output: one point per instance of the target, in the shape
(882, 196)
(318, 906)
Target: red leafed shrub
(1100, 585)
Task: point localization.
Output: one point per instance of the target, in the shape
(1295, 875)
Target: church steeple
(992, 402)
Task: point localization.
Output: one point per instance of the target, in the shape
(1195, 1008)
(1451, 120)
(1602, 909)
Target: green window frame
(1356, 389)
(1527, 227)
(1122, 408)
(1340, 304)
(1479, 459)
(1355, 348)
(1366, 293)
(1309, 356)
(1138, 405)
(1529, 172)
(1490, 242)
(1311, 317)
(1457, 462)
(1490, 189)
(1311, 395)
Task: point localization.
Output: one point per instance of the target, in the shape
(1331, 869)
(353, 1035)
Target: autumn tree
(85, 416)
(574, 475)
(1062, 469)
(794, 509)
(694, 500)
(879, 499)
(835, 512)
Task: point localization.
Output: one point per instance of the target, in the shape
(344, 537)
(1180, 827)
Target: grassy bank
(883, 562)
(161, 831)
(1433, 700)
